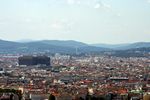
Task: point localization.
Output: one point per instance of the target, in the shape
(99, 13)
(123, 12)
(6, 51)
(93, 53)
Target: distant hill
(124, 46)
(135, 52)
(73, 47)
(68, 43)
(52, 46)
(135, 45)
(25, 40)
(111, 46)
(7, 46)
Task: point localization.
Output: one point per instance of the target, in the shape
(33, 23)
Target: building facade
(34, 60)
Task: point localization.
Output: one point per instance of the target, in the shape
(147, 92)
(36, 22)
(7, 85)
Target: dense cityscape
(69, 77)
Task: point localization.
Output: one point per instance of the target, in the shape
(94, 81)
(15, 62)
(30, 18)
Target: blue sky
(90, 21)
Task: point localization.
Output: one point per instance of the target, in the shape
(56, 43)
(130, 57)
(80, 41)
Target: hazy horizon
(31, 40)
(88, 21)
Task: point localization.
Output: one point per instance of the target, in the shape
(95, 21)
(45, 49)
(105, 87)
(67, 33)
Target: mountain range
(67, 47)
(52, 46)
(124, 46)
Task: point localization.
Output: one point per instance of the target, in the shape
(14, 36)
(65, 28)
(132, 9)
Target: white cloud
(79, 2)
(97, 5)
(70, 1)
(90, 3)
(106, 5)
(28, 20)
(57, 26)
(76, 2)
(118, 14)
(148, 1)
(61, 25)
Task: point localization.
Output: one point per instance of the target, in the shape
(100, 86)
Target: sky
(89, 21)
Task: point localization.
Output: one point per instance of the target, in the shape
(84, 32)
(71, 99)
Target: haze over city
(89, 21)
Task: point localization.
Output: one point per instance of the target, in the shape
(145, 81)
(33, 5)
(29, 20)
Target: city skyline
(88, 21)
